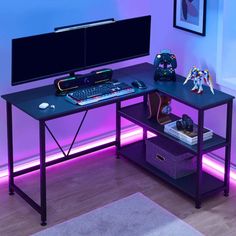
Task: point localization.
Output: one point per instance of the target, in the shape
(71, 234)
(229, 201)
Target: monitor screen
(118, 41)
(57, 53)
(46, 55)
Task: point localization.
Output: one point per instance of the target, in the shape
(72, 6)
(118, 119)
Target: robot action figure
(198, 76)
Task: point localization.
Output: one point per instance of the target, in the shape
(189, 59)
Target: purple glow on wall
(125, 137)
(217, 167)
(209, 165)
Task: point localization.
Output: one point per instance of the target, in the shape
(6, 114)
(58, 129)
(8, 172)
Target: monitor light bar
(84, 25)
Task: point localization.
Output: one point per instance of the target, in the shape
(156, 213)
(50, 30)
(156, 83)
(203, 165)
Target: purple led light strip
(212, 166)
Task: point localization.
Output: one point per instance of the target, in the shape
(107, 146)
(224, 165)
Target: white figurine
(198, 76)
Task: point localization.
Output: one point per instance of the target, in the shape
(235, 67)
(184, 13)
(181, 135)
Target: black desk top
(29, 100)
(177, 90)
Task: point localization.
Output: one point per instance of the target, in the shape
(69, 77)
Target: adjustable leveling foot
(226, 193)
(43, 223)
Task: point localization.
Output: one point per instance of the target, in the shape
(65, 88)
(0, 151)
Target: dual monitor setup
(78, 47)
(70, 49)
(74, 48)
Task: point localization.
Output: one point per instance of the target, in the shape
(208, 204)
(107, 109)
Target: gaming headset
(185, 124)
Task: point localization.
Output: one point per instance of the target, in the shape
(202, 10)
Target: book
(190, 138)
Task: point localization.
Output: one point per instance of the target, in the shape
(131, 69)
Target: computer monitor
(119, 41)
(47, 55)
(67, 51)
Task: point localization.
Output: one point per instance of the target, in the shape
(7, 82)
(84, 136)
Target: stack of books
(190, 138)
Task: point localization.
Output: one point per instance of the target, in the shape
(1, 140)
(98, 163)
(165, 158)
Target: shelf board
(138, 114)
(136, 153)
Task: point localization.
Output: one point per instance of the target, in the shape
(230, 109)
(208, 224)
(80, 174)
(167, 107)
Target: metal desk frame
(42, 207)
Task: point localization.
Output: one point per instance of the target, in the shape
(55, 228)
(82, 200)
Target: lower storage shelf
(136, 153)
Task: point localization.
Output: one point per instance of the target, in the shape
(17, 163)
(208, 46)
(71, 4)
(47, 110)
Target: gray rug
(135, 215)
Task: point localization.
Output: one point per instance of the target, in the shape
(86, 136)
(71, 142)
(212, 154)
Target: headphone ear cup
(179, 125)
(184, 117)
(189, 125)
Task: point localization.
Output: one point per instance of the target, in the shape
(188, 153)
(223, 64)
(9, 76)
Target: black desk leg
(228, 147)
(42, 173)
(199, 158)
(118, 129)
(10, 149)
(145, 130)
(144, 134)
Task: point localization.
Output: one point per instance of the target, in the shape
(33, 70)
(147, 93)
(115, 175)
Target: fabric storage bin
(170, 157)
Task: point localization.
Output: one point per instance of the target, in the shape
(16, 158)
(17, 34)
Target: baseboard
(220, 160)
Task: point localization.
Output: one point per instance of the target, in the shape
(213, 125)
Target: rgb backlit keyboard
(100, 92)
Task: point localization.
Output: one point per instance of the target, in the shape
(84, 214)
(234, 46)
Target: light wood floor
(81, 185)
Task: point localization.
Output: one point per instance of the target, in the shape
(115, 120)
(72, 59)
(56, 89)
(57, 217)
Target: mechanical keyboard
(99, 92)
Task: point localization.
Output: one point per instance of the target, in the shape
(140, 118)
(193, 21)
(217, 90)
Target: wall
(25, 18)
(226, 45)
(192, 49)
(229, 40)
(34, 17)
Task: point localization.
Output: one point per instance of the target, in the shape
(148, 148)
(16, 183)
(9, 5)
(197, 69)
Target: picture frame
(190, 15)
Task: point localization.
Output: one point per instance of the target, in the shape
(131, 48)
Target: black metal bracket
(76, 134)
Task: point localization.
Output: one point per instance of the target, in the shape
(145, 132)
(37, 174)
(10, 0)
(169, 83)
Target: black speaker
(73, 82)
(66, 83)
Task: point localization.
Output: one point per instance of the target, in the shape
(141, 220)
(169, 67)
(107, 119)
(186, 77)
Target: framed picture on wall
(190, 15)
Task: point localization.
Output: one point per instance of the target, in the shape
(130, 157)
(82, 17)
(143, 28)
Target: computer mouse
(139, 84)
(43, 105)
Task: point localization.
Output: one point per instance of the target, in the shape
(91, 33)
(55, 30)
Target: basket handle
(160, 158)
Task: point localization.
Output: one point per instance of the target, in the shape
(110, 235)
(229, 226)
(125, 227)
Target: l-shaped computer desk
(198, 185)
